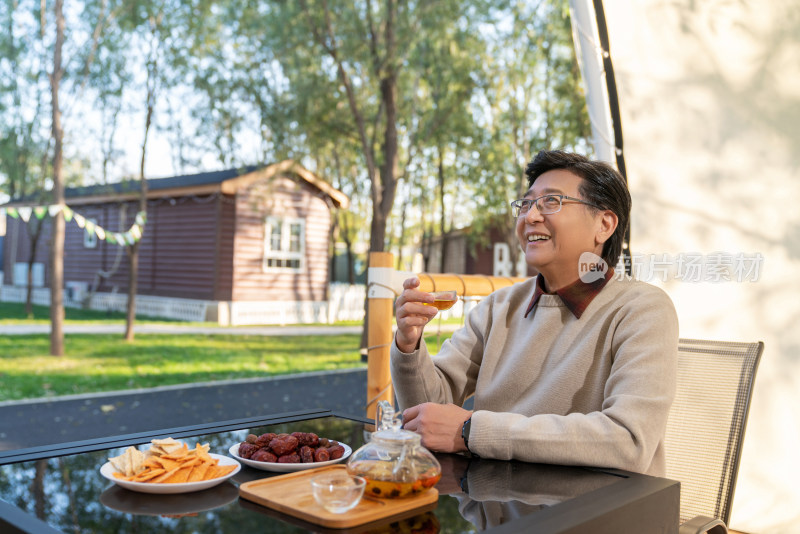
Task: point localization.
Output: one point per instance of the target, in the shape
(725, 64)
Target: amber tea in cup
(443, 300)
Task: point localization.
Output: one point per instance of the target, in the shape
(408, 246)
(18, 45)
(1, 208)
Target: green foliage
(479, 87)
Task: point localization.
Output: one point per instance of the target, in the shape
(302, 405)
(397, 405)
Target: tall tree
(24, 150)
(133, 250)
(57, 243)
(533, 102)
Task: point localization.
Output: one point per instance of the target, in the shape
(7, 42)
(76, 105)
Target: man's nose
(533, 214)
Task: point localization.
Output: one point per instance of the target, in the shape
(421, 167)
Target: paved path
(288, 330)
(35, 422)
(294, 330)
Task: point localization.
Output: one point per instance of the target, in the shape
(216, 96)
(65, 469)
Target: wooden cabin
(239, 246)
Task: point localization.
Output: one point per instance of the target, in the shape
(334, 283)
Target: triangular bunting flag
(40, 212)
(68, 213)
(53, 209)
(25, 213)
(100, 232)
(12, 212)
(136, 231)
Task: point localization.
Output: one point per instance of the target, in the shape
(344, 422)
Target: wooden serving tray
(291, 494)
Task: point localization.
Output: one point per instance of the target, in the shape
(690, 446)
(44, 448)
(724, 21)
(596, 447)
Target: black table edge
(639, 495)
(95, 444)
(636, 493)
(14, 520)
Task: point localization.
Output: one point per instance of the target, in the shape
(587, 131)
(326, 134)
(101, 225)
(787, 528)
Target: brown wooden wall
(285, 197)
(208, 248)
(179, 259)
(178, 253)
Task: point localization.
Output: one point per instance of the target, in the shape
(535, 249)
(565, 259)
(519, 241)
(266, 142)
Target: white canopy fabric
(709, 103)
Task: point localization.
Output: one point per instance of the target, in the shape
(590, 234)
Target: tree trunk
(57, 244)
(388, 172)
(133, 250)
(133, 274)
(351, 263)
(37, 489)
(442, 225)
(402, 238)
(37, 233)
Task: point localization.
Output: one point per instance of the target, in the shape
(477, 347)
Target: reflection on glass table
(65, 491)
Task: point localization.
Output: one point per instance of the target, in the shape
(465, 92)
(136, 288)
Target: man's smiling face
(553, 243)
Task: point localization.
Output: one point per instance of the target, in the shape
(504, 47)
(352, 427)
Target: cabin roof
(226, 181)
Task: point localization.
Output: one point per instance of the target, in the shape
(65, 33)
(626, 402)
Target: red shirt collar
(576, 296)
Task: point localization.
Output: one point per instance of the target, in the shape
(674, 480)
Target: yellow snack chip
(168, 462)
(199, 472)
(130, 462)
(148, 475)
(181, 475)
(165, 476)
(219, 470)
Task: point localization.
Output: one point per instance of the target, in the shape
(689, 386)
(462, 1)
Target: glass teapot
(394, 462)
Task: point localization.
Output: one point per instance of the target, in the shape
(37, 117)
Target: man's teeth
(532, 238)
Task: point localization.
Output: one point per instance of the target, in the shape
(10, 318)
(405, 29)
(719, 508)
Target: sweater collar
(576, 296)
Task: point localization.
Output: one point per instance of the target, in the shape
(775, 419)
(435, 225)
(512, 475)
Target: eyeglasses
(545, 204)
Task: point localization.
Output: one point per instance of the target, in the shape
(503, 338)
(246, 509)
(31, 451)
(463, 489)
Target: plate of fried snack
(169, 466)
(285, 453)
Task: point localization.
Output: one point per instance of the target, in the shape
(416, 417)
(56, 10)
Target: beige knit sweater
(551, 388)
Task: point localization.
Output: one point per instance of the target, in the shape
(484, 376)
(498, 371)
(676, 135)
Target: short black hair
(601, 185)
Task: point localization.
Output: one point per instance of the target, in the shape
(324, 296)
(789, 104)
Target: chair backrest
(707, 421)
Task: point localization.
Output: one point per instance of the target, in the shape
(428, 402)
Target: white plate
(183, 487)
(286, 468)
(130, 502)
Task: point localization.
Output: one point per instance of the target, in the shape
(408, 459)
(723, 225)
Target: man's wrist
(465, 430)
(405, 348)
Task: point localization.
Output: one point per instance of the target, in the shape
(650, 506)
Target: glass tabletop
(69, 494)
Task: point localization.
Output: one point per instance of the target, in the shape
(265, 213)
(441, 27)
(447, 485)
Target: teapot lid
(389, 426)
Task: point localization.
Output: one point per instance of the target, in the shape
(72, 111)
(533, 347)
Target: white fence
(168, 307)
(345, 303)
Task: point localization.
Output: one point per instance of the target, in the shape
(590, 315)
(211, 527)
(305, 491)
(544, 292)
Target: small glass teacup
(443, 300)
(338, 492)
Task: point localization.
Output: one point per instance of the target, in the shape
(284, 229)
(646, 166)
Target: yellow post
(379, 331)
(382, 287)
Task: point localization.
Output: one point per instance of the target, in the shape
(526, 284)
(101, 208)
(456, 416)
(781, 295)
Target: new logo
(591, 267)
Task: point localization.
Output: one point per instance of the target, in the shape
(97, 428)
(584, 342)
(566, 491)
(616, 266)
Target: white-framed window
(90, 238)
(21, 274)
(284, 244)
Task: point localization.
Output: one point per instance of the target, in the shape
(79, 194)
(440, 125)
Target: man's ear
(606, 225)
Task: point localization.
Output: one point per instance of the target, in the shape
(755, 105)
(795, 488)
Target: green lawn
(107, 362)
(104, 362)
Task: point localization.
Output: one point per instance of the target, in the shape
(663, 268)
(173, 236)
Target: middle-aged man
(575, 366)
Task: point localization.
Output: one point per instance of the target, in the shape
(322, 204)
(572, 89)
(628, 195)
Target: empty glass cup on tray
(337, 492)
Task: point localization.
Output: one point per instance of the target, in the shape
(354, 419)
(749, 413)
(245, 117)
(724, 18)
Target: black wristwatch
(465, 432)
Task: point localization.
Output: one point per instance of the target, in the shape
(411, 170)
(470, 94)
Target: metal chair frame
(746, 356)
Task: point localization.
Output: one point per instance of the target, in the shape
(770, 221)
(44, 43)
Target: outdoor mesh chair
(706, 428)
